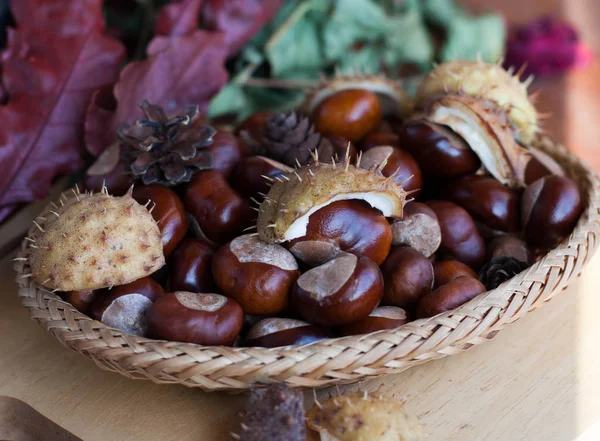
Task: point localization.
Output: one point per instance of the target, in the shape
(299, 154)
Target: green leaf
(408, 40)
(441, 12)
(469, 36)
(366, 60)
(232, 99)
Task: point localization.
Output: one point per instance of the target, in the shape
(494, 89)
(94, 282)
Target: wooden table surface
(536, 381)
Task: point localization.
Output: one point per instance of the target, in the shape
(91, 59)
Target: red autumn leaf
(179, 71)
(178, 19)
(54, 61)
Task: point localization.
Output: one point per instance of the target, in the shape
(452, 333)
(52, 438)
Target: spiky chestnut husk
(360, 417)
(284, 213)
(489, 82)
(95, 241)
(487, 131)
(394, 100)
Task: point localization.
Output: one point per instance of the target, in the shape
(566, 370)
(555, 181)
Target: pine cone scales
(290, 137)
(167, 150)
(499, 270)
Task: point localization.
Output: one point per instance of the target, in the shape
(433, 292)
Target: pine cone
(499, 270)
(167, 151)
(288, 137)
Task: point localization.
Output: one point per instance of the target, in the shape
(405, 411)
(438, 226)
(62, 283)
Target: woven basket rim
(336, 360)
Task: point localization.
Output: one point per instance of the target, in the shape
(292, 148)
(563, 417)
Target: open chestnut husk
(397, 162)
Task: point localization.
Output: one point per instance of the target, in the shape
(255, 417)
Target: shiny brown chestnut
(258, 275)
(439, 151)
(254, 125)
(398, 162)
(168, 212)
(407, 276)
(255, 174)
(221, 212)
(460, 238)
(191, 268)
(376, 139)
(486, 199)
(540, 165)
(550, 208)
(352, 226)
(510, 246)
(124, 307)
(226, 153)
(336, 148)
(351, 113)
(274, 332)
(204, 319)
(446, 270)
(419, 229)
(340, 292)
(384, 317)
(80, 300)
(449, 296)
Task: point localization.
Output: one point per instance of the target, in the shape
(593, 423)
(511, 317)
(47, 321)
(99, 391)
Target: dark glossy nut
(274, 332)
(419, 229)
(449, 296)
(204, 319)
(460, 238)
(350, 113)
(384, 317)
(81, 300)
(258, 275)
(351, 225)
(221, 213)
(510, 246)
(168, 212)
(446, 270)
(336, 148)
(439, 151)
(376, 139)
(487, 200)
(407, 276)
(540, 165)
(342, 291)
(191, 268)
(254, 125)
(226, 153)
(550, 208)
(406, 169)
(250, 179)
(124, 307)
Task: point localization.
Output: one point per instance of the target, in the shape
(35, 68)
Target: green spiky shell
(487, 81)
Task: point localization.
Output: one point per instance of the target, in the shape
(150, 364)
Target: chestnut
(257, 274)
(407, 276)
(439, 151)
(191, 267)
(252, 127)
(204, 319)
(124, 307)
(351, 113)
(398, 162)
(486, 199)
(253, 173)
(220, 211)
(419, 229)
(168, 212)
(80, 300)
(449, 296)
(460, 238)
(384, 317)
(336, 148)
(376, 139)
(446, 270)
(274, 332)
(550, 208)
(226, 152)
(510, 246)
(541, 164)
(350, 225)
(342, 291)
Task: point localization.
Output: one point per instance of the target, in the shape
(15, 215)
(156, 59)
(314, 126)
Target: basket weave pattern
(327, 362)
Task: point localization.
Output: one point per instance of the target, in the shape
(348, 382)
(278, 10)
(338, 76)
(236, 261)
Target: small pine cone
(288, 137)
(499, 270)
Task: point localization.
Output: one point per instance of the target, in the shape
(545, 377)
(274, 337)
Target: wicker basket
(332, 361)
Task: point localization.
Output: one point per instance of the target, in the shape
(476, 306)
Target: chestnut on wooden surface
(168, 212)
(487, 200)
(250, 179)
(191, 268)
(275, 331)
(351, 113)
(419, 229)
(81, 300)
(510, 246)
(351, 225)
(258, 275)
(460, 238)
(550, 208)
(226, 152)
(439, 151)
(449, 296)
(340, 292)
(376, 139)
(204, 319)
(398, 162)
(221, 212)
(407, 275)
(446, 270)
(384, 317)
